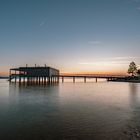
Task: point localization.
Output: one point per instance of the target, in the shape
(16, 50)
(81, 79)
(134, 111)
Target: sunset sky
(75, 36)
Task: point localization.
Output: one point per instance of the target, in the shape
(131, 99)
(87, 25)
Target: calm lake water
(73, 111)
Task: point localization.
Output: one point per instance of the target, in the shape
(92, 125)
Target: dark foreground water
(80, 111)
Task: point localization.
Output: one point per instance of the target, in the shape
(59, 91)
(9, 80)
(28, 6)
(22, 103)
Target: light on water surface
(102, 110)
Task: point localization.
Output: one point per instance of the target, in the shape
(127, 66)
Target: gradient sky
(91, 36)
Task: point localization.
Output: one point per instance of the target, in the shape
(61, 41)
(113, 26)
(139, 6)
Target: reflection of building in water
(16, 91)
(34, 74)
(19, 89)
(32, 111)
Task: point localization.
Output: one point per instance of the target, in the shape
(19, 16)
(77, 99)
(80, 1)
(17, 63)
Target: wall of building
(53, 72)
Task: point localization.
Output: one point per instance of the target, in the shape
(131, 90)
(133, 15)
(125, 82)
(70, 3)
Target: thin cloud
(125, 58)
(111, 61)
(104, 63)
(43, 23)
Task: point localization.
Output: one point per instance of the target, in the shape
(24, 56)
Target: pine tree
(132, 68)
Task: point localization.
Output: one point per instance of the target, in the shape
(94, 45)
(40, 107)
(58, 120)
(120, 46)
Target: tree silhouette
(132, 68)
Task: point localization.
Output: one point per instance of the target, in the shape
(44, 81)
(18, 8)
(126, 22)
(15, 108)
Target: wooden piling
(74, 79)
(85, 80)
(62, 79)
(96, 80)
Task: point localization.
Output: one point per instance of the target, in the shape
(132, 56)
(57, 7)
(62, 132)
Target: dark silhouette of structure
(34, 74)
(44, 75)
(96, 77)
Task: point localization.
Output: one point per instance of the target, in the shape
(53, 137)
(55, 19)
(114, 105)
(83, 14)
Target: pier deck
(85, 77)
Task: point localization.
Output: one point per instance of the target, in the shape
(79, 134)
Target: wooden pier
(38, 75)
(85, 77)
(44, 75)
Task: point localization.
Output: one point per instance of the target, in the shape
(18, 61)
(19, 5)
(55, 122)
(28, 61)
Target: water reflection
(99, 111)
(4, 89)
(133, 94)
(31, 113)
(132, 130)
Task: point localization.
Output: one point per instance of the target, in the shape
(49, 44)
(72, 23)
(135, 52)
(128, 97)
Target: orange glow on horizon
(4, 74)
(81, 73)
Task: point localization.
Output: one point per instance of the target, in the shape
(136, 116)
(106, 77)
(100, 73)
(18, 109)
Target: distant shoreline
(127, 79)
(1, 77)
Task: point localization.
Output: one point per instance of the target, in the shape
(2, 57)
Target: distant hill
(3, 77)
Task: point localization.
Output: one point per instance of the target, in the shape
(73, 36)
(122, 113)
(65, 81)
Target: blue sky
(72, 35)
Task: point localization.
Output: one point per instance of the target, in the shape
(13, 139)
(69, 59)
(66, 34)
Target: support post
(19, 77)
(96, 80)
(85, 80)
(44, 80)
(36, 80)
(74, 79)
(10, 75)
(62, 79)
(48, 80)
(15, 77)
(24, 78)
(39, 80)
(27, 79)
